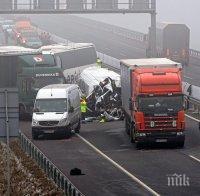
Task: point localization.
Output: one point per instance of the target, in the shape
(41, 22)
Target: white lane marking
(193, 157)
(192, 118)
(120, 167)
(187, 77)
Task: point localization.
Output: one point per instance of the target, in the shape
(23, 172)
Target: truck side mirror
(71, 109)
(130, 105)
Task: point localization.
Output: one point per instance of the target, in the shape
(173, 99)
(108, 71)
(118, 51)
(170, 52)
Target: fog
(176, 11)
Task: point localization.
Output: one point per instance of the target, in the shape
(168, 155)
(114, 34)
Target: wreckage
(102, 89)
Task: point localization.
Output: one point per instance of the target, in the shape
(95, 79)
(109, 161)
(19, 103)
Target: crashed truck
(102, 89)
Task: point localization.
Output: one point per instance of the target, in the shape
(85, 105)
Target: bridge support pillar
(152, 33)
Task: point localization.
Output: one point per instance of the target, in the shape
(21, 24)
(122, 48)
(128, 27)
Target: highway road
(111, 164)
(79, 29)
(151, 165)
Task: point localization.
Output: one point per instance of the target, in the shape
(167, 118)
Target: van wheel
(77, 129)
(68, 132)
(34, 135)
(181, 144)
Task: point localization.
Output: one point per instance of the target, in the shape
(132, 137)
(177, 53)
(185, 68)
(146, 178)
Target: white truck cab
(56, 110)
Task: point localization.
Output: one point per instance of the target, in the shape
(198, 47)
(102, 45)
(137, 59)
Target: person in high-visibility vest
(99, 62)
(83, 108)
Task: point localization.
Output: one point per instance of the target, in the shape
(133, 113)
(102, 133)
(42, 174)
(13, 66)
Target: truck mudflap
(170, 137)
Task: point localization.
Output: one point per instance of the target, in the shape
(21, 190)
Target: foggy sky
(176, 11)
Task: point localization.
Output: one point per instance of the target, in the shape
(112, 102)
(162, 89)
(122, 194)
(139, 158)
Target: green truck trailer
(34, 71)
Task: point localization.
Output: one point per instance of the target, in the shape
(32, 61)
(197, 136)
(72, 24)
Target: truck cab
(154, 106)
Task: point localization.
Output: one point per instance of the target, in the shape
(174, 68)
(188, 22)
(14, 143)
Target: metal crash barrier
(192, 105)
(48, 167)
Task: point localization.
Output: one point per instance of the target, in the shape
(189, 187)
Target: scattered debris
(76, 172)
(103, 93)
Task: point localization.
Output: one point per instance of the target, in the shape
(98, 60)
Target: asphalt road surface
(77, 29)
(152, 165)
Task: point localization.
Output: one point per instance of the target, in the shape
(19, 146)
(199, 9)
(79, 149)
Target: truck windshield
(161, 105)
(51, 105)
(41, 82)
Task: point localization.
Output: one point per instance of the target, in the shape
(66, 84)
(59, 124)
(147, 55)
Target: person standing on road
(99, 62)
(83, 108)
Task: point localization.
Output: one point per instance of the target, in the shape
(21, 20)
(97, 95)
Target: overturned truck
(102, 89)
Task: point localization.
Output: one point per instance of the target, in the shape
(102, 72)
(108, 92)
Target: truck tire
(138, 145)
(181, 144)
(77, 129)
(34, 135)
(131, 137)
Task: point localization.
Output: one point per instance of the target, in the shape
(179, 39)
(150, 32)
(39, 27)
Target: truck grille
(48, 123)
(160, 123)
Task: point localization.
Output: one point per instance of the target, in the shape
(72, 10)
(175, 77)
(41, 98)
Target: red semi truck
(152, 100)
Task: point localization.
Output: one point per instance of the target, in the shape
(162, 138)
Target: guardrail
(48, 167)
(195, 57)
(195, 53)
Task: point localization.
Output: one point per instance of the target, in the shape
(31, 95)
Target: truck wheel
(181, 144)
(34, 135)
(138, 145)
(77, 129)
(132, 135)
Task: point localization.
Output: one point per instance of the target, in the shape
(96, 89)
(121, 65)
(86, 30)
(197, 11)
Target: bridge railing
(70, 6)
(48, 167)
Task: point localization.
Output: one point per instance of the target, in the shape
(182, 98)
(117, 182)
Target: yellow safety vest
(83, 106)
(99, 62)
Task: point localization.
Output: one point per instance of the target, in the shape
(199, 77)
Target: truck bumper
(160, 138)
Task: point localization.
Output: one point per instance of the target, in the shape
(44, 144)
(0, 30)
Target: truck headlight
(174, 123)
(152, 124)
(179, 133)
(35, 122)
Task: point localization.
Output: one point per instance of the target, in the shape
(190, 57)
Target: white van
(57, 110)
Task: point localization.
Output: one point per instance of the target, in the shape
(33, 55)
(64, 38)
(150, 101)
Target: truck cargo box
(130, 65)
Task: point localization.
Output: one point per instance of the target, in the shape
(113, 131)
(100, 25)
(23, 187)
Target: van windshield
(51, 105)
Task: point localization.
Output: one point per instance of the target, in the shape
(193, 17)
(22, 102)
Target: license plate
(49, 131)
(161, 140)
